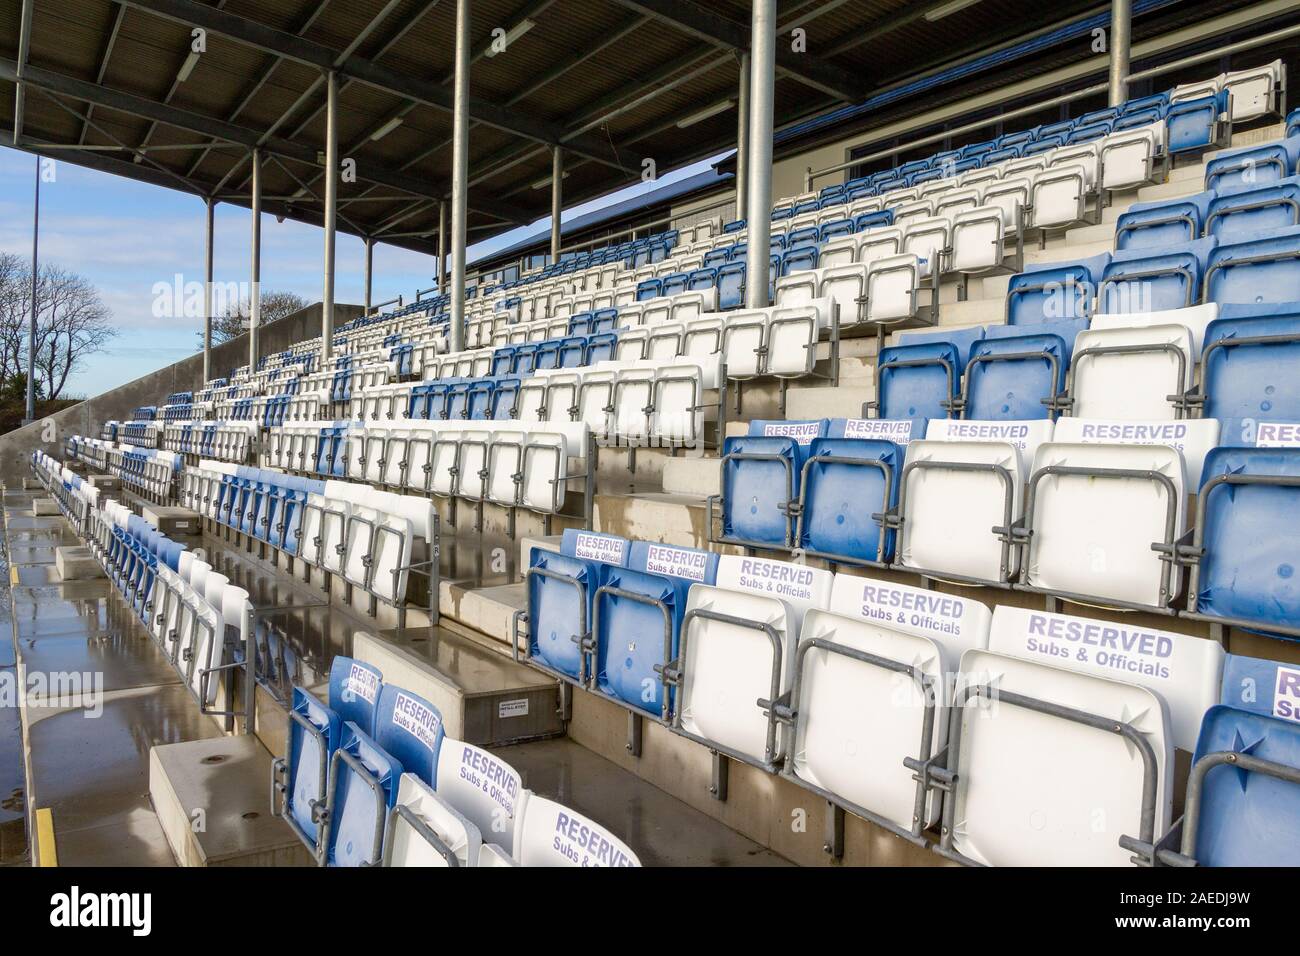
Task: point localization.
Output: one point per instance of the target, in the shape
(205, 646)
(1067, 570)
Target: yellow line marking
(47, 853)
(13, 575)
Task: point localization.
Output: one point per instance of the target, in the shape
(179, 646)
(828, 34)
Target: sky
(126, 236)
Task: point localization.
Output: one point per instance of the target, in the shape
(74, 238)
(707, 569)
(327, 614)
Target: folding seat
(1245, 541)
(731, 285)
(864, 221)
(561, 587)
(1154, 280)
(1018, 374)
(552, 835)
(636, 618)
(1048, 818)
(737, 650)
(1253, 165)
(866, 677)
(959, 496)
(1256, 91)
(847, 485)
(1058, 196)
(1011, 195)
(921, 376)
(1196, 121)
(1148, 225)
(1246, 366)
(958, 200)
(1106, 507)
(977, 240)
(362, 789)
(664, 342)
(1053, 291)
(744, 343)
(928, 239)
(1262, 269)
(834, 229)
(424, 830)
(1238, 214)
(760, 479)
(893, 287)
(410, 730)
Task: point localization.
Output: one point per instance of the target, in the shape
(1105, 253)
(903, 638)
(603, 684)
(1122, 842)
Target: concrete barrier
(86, 418)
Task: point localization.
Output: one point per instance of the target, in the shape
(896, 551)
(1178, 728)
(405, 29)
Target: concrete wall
(86, 418)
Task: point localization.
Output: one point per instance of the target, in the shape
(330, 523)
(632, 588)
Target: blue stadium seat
(1293, 123)
(363, 788)
(1154, 280)
(922, 377)
(560, 591)
(1246, 542)
(1147, 225)
(848, 484)
(1246, 211)
(409, 729)
(1254, 165)
(1194, 124)
(760, 479)
(1016, 374)
(1249, 362)
(1263, 269)
(637, 617)
(1244, 790)
(1054, 291)
(649, 289)
(731, 285)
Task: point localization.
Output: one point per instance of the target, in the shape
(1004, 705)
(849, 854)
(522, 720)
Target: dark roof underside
(612, 80)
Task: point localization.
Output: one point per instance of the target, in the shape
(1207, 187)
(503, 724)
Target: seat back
(550, 834)
(410, 729)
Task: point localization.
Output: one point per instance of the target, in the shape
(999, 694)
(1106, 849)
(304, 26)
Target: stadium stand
(1071, 490)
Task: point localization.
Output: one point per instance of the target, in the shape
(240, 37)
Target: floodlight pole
(331, 213)
(255, 277)
(1121, 29)
(459, 175)
(31, 325)
(557, 199)
(742, 136)
(758, 196)
(207, 292)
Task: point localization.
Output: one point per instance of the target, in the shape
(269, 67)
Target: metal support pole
(442, 246)
(557, 199)
(331, 211)
(207, 292)
(31, 325)
(1121, 22)
(459, 175)
(370, 267)
(759, 191)
(742, 136)
(255, 294)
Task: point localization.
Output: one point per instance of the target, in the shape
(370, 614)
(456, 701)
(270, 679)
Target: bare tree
(72, 323)
(234, 321)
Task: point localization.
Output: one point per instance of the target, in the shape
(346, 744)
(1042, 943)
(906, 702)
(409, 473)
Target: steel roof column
(370, 268)
(255, 294)
(1121, 30)
(557, 196)
(30, 407)
(459, 175)
(331, 212)
(207, 293)
(742, 136)
(442, 246)
(758, 197)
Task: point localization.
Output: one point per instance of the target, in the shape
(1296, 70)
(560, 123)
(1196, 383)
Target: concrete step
(212, 798)
(693, 477)
(1063, 251)
(485, 697)
(972, 312)
(1170, 190)
(843, 401)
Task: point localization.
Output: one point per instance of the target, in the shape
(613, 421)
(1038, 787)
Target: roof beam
(131, 104)
(310, 53)
(703, 24)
